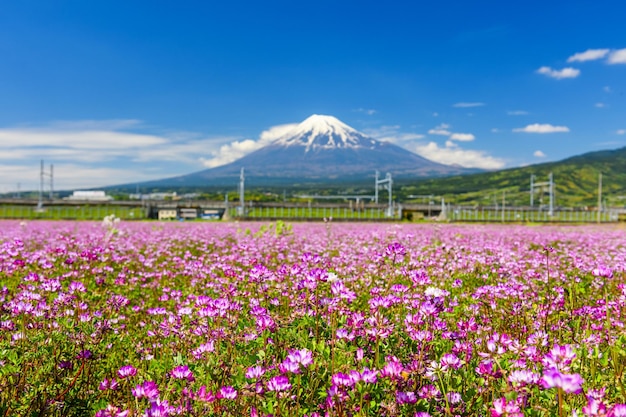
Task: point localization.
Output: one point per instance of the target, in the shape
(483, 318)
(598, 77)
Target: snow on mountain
(320, 149)
(325, 132)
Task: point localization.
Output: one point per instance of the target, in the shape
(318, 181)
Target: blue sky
(122, 91)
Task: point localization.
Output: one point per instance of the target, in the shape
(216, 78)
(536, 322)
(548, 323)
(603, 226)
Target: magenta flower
(369, 376)
(450, 361)
(149, 389)
(279, 383)
(205, 395)
(183, 372)
(159, 408)
(108, 384)
(126, 371)
(227, 392)
(407, 397)
(255, 372)
(503, 408)
(618, 410)
(393, 368)
(288, 366)
(570, 383)
(303, 356)
(112, 411)
(559, 357)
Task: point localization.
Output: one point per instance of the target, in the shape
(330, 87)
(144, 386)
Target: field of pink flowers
(218, 319)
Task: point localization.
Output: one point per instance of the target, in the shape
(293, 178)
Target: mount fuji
(321, 148)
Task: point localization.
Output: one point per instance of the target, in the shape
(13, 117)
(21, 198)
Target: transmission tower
(242, 186)
(387, 183)
(550, 184)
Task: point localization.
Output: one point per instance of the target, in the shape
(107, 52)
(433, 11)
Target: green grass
(71, 212)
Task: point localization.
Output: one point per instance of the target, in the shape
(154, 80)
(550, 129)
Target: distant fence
(315, 213)
(527, 215)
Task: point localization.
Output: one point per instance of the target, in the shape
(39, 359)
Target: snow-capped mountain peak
(324, 132)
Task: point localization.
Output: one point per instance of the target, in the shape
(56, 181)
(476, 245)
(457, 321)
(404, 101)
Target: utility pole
(51, 182)
(599, 197)
(503, 204)
(242, 185)
(388, 183)
(40, 202)
(532, 189)
(376, 188)
(551, 180)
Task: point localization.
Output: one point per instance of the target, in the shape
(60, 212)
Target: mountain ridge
(321, 148)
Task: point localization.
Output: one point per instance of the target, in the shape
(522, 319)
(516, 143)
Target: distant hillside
(575, 178)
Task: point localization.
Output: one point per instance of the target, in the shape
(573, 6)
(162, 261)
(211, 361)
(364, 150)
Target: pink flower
(279, 383)
(618, 410)
(205, 395)
(227, 392)
(183, 372)
(570, 383)
(149, 389)
(255, 372)
(126, 371)
(503, 408)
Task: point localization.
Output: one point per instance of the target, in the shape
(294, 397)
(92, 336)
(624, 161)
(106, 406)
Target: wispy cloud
(588, 55)
(453, 154)
(90, 153)
(621, 132)
(559, 74)
(617, 57)
(441, 130)
(600, 105)
(539, 154)
(517, 113)
(236, 149)
(394, 134)
(468, 104)
(462, 137)
(542, 128)
(369, 112)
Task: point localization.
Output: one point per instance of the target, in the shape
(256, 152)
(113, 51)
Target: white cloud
(468, 104)
(617, 57)
(588, 55)
(539, 154)
(369, 112)
(231, 152)
(77, 139)
(453, 154)
(442, 130)
(495, 130)
(517, 113)
(463, 137)
(86, 152)
(71, 176)
(435, 114)
(600, 105)
(236, 149)
(276, 132)
(621, 132)
(392, 134)
(559, 74)
(542, 128)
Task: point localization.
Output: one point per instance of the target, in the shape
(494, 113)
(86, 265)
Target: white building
(90, 196)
